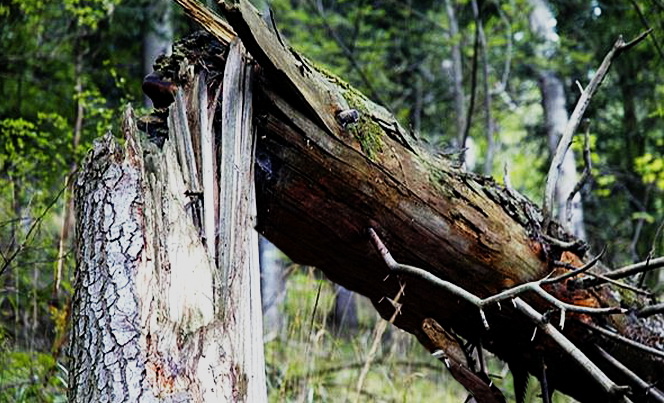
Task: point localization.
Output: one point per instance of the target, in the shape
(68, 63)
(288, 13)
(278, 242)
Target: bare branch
(651, 391)
(574, 246)
(566, 140)
(570, 348)
(620, 284)
(624, 340)
(576, 271)
(627, 271)
(521, 305)
(650, 310)
(534, 286)
(473, 90)
(585, 176)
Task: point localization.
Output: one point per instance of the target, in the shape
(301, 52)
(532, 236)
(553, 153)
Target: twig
(627, 271)
(649, 390)
(624, 340)
(620, 284)
(566, 139)
(650, 310)
(380, 329)
(473, 90)
(534, 286)
(574, 352)
(575, 246)
(576, 270)
(579, 283)
(644, 21)
(10, 256)
(585, 176)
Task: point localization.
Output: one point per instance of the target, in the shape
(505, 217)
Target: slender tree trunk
(556, 117)
(157, 34)
(489, 125)
(273, 288)
(457, 73)
(343, 317)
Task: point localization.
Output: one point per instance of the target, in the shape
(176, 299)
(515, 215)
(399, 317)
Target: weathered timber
(321, 184)
(167, 302)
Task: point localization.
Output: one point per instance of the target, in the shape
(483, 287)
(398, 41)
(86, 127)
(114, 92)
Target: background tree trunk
(273, 288)
(556, 117)
(157, 34)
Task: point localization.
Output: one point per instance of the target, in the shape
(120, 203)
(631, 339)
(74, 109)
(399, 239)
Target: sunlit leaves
(88, 13)
(651, 168)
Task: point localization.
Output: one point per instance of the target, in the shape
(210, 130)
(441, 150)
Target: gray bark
(343, 318)
(273, 287)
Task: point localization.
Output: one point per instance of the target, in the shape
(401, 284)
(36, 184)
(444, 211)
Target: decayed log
(323, 180)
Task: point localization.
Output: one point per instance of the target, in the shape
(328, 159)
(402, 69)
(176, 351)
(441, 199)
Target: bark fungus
(364, 203)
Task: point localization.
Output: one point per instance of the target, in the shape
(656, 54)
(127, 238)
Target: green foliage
(30, 151)
(89, 13)
(651, 168)
(30, 377)
(308, 362)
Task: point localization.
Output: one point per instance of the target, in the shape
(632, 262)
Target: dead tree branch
(626, 271)
(521, 305)
(566, 140)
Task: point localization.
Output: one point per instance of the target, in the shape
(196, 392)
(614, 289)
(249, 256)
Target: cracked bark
(154, 319)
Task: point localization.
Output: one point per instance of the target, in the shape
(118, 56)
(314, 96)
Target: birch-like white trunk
(542, 24)
(157, 317)
(157, 34)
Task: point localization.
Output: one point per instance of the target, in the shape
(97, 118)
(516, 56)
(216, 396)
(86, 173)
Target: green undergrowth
(30, 377)
(307, 362)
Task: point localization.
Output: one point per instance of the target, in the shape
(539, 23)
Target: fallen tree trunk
(331, 166)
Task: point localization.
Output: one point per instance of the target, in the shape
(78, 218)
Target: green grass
(307, 363)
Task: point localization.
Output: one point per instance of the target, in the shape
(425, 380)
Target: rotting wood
(321, 185)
